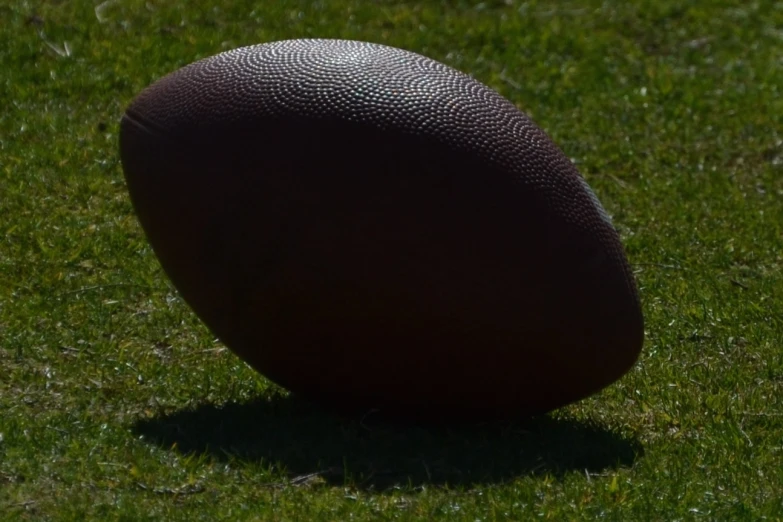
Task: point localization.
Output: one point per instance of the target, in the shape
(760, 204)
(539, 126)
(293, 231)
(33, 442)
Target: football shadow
(306, 442)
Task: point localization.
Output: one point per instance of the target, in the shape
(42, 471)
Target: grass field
(117, 404)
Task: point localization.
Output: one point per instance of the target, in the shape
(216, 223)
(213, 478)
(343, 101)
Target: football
(374, 230)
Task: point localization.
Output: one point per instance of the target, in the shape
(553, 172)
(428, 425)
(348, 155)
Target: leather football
(372, 229)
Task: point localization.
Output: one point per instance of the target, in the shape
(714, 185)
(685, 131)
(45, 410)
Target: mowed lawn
(116, 403)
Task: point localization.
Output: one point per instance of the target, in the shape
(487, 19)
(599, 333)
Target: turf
(117, 404)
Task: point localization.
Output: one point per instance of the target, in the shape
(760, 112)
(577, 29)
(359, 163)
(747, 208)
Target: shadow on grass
(300, 439)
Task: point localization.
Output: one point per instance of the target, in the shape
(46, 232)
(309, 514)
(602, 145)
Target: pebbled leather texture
(368, 84)
(371, 129)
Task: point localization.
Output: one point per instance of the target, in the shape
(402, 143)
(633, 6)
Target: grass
(117, 404)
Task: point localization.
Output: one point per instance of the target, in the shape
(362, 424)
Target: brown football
(370, 228)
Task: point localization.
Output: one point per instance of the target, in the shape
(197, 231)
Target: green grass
(117, 404)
